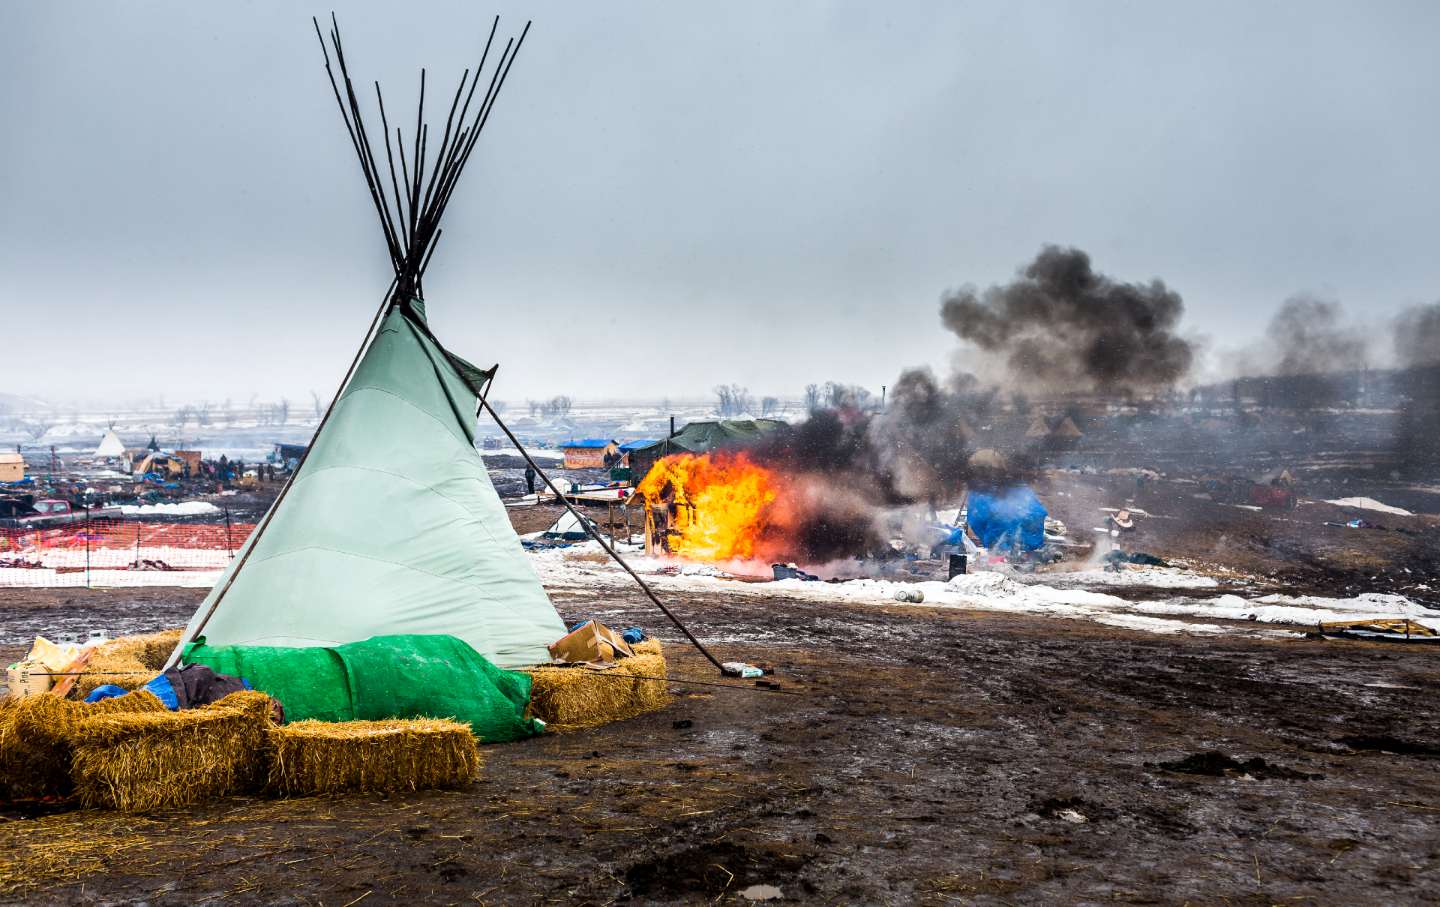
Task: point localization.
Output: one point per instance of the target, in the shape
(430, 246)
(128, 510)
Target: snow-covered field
(1060, 595)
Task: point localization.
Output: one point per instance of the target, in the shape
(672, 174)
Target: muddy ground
(914, 756)
(1300, 551)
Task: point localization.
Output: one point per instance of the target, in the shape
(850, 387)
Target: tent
(110, 445)
(568, 528)
(1004, 518)
(698, 438)
(389, 525)
(1037, 429)
(1067, 430)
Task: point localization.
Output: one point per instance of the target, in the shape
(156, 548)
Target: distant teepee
(1067, 430)
(110, 446)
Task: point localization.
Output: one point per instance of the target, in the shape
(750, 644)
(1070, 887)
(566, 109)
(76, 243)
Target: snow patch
(183, 508)
(1370, 504)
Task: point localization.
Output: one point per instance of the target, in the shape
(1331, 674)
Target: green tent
(698, 438)
(390, 525)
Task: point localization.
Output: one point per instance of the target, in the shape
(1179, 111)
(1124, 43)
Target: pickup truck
(23, 513)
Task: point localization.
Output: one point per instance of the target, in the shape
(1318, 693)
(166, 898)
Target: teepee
(390, 524)
(110, 445)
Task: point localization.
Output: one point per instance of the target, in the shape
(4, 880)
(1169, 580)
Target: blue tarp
(1004, 518)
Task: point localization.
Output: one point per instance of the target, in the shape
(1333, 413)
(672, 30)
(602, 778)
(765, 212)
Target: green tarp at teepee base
(391, 526)
(383, 678)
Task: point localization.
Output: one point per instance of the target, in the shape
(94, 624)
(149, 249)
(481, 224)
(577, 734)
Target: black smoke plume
(1417, 348)
(1315, 356)
(1062, 325)
(1417, 336)
(920, 449)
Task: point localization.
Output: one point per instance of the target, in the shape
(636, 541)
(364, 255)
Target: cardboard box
(592, 641)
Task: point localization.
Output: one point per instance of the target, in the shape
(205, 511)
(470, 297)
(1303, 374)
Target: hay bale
(149, 649)
(576, 697)
(36, 734)
(117, 667)
(322, 757)
(164, 760)
(255, 705)
(127, 661)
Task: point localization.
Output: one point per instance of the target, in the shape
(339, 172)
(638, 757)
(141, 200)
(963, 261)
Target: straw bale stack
(256, 705)
(36, 734)
(320, 757)
(149, 649)
(127, 661)
(163, 760)
(105, 667)
(577, 697)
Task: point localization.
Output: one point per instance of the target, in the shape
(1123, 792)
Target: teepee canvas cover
(110, 445)
(390, 526)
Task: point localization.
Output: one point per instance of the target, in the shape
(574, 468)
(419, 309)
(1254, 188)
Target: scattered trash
(762, 893)
(1216, 764)
(590, 641)
(1397, 629)
(1116, 560)
(741, 669)
(913, 596)
(790, 571)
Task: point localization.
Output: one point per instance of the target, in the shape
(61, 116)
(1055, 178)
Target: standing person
(224, 468)
(529, 479)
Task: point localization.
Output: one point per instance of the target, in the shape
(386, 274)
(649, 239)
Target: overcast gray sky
(670, 195)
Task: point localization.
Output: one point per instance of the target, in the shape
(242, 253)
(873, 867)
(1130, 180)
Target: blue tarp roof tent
(1003, 518)
(588, 443)
(632, 445)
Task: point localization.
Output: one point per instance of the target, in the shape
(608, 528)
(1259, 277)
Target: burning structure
(839, 484)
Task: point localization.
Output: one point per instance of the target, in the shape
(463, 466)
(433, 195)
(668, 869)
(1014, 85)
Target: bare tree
(769, 406)
(732, 400)
(282, 411)
(557, 407)
(812, 398)
(319, 407)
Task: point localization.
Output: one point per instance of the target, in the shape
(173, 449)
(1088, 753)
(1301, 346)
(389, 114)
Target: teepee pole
(254, 539)
(594, 534)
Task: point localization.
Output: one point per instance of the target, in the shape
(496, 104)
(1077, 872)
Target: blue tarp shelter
(1003, 518)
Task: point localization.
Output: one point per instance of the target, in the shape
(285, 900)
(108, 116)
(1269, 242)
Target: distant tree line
(554, 408)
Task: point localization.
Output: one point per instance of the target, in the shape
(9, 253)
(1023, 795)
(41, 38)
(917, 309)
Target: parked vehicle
(24, 512)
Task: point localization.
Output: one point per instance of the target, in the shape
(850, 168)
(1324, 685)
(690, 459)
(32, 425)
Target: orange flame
(721, 504)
